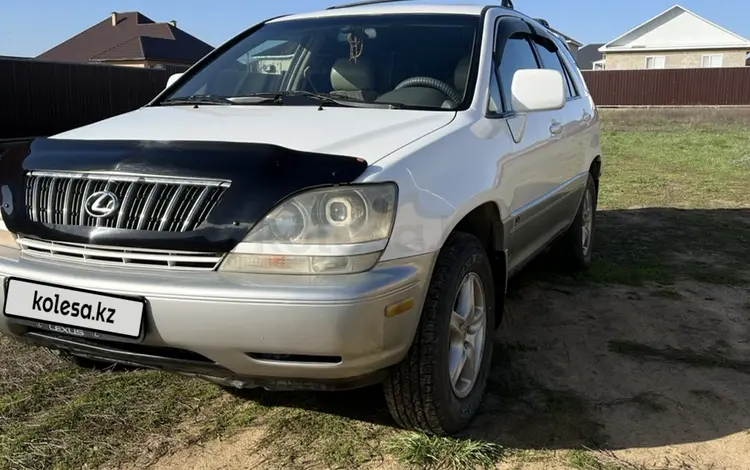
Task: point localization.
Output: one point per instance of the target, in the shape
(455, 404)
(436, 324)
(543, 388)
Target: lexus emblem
(102, 204)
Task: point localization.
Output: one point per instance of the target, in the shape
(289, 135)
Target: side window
(576, 78)
(517, 55)
(551, 60)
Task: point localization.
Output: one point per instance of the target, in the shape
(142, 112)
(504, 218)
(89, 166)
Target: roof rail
(503, 3)
(363, 3)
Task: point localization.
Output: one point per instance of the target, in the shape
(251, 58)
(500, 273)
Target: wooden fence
(44, 98)
(670, 87)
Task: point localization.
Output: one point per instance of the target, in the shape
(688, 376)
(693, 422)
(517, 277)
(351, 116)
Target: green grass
(429, 452)
(593, 460)
(674, 199)
(66, 417)
(674, 205)
(299, 436)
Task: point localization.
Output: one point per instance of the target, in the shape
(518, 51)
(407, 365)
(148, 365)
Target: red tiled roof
(134, 37)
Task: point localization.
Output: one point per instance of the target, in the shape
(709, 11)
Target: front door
(535, 170)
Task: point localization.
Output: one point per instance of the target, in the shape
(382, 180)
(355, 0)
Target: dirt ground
(659, 376)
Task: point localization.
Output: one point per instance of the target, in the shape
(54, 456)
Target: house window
(599, 65)
(656, 62)
(712, 60)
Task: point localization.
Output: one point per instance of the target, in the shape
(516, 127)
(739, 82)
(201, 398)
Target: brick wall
(673, 59)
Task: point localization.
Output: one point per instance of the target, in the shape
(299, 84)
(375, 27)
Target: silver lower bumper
(251, 328)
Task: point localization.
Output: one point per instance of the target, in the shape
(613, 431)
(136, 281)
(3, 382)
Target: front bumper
(245, 330)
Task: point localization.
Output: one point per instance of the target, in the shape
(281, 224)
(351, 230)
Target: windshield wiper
(197, 99)
(278, 98)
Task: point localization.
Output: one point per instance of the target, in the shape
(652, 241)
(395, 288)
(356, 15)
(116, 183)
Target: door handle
(586, 116)
(556, 128)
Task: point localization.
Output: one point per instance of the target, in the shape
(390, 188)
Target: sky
(28, 28)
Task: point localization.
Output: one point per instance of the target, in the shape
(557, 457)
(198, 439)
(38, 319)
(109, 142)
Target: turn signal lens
(292, 264)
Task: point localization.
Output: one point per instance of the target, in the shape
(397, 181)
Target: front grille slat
(145, 203)
(146, 213)
(51, 200)
(35, 200)
(196, 207)
(109, 256)
(125, 204)
(82, 212)
(173, 201)
(69, 184)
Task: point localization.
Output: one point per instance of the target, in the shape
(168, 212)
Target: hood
(167, 195)
(368, 133)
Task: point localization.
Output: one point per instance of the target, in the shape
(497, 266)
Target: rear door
(569, 152)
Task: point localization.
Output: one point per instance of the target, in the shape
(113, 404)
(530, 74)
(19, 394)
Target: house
(676, 38)
(589, 57)
(573, 45)
(131, 39)
(10, 57)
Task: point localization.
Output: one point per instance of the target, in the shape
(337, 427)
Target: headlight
(324, 231)
(7, 239)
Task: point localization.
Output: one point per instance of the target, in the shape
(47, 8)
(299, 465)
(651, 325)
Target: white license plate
(103, 313)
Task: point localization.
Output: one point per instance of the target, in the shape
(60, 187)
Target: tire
(571, 247)
(419, 391)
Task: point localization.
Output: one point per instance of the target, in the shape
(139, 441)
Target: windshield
(411, 60)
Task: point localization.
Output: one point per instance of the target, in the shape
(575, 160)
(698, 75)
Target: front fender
(439, 184)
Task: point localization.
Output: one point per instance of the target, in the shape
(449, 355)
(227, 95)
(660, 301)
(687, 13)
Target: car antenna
(507, 4)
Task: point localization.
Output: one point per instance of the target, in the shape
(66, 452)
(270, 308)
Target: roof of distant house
(692, 32)
(12, 57)
(566, 37)
(589, 54)
(130, 36)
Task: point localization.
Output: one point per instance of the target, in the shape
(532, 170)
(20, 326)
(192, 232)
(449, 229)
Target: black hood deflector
(261, 176)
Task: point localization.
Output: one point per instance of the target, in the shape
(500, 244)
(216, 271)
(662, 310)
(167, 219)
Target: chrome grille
(118, 256)
(146, 203)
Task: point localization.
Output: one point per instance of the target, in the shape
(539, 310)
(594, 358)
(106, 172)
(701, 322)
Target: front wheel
(440, 384)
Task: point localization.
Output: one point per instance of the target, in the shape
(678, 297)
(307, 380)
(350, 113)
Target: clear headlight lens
(7, 239)
(323, 231)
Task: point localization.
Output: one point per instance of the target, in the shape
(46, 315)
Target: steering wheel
(433, 83)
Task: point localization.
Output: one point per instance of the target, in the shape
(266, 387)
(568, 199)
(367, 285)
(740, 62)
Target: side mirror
(173, 78)
(537, 90)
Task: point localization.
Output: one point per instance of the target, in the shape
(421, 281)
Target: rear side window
(517, 55)
(551, 60)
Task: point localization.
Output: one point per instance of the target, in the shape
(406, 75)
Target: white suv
(327, 201)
